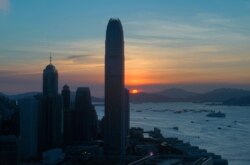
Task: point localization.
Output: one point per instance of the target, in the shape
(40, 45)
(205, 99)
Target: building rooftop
(50, 68)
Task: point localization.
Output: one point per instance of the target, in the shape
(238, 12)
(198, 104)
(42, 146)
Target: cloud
(4, 5)
(77, 57)
(209, 49)
(167, 30)
(204, 29)
(212, 18)
(158, 51)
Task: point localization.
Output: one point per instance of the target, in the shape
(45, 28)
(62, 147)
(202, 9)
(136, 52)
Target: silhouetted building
(84, 105)
(9, 150)
(73, 127)
(50, 115)
(1, 121)
(28, 127)
(66, 97)
(10, 119)
(94, 121)
(83, 99)
(127, 114)
(80, 124)
(50, 81)
(114, 132)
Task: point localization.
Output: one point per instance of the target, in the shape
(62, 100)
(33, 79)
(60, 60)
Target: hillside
(22, 95)
(177, 93)
(220, 95)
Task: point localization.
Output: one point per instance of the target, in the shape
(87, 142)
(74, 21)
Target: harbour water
(228, 137)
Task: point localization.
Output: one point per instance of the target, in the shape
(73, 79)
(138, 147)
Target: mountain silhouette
(177, 93)
(221, 94)
(227, 96)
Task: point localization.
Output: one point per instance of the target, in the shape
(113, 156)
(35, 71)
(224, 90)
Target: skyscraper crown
(65, 87)
(50, 68)
(114, 30)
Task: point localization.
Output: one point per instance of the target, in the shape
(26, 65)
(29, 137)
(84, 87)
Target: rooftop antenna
(50, 59)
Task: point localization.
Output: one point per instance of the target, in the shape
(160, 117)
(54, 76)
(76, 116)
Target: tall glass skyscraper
(114, 129)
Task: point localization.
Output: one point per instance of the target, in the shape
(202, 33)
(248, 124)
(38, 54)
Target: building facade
(80, 124)
(9, 150)
(50, 114)
(66, 97)
(114, 129)
(127, 114)
(28, 127)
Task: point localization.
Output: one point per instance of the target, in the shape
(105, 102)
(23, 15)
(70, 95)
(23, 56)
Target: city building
(83, 105)
(9, 150)
(66, 97)
(50, 80)
(114, 129)
(1, 121)
(127, 114)
(50, 114)
(28, 127)
(80, 124)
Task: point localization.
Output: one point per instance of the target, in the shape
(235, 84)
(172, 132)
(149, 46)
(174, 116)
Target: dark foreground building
(66, 97)
(9, 150)
(114, 129)
(80, 124)
(127, 114)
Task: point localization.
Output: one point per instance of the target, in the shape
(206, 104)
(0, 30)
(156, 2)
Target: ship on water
(216, 114)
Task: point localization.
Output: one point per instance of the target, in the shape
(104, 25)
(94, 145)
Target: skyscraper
(83, 99)
(127, 114)
(80, 124)
(50, 115)
(1, 120)
(66, 97)
(114, 129)
(50, 80)
(28, 126)
(83, 107)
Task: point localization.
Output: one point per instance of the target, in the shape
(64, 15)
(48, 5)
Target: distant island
(221, 96)
(241, 101)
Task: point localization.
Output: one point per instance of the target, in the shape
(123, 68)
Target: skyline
(197, 46)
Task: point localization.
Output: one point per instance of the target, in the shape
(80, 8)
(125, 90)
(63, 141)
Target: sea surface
(228, 137)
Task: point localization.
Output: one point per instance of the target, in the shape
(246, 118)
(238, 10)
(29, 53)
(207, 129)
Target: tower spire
(50, 59)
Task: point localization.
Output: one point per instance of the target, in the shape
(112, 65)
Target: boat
(176, 128)
(216, 114)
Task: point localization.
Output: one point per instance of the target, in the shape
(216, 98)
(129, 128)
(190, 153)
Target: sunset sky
(194, 44)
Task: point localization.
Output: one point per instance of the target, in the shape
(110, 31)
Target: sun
(134, 91)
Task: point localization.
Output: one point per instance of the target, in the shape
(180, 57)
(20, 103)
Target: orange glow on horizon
(134, 91)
